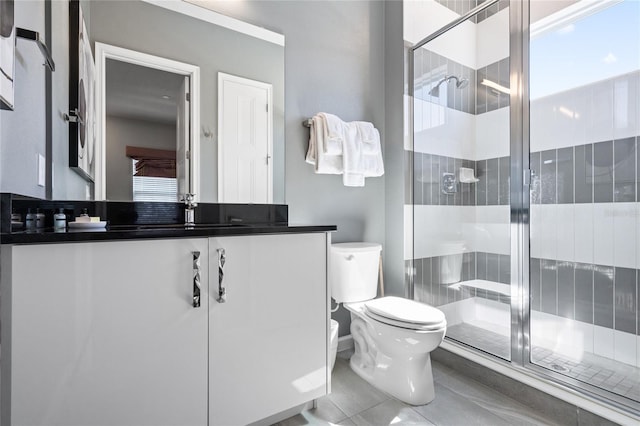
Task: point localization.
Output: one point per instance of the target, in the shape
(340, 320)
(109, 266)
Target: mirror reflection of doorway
(245, 140)
(143, 108)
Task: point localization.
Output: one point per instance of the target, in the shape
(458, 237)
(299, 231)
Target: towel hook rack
(35, 37)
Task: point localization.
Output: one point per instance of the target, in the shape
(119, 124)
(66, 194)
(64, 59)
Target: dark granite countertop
(132, 232)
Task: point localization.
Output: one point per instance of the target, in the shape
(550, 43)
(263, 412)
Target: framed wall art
(7, 53)
(82, 111)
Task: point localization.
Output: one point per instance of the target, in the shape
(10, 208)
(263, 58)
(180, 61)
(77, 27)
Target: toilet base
(407, 377)
(414, 389)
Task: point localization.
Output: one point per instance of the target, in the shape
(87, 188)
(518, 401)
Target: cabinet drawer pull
(222, 291)
(196, 279)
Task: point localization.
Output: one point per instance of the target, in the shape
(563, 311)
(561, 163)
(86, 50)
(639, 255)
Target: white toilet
(393, 336)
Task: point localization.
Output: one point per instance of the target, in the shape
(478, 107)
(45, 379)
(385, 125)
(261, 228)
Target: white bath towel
(352, 157)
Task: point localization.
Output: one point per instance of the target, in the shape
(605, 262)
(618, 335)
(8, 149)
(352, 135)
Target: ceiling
(142, 93)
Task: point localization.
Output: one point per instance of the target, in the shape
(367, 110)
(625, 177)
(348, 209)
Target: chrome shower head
(461, 83)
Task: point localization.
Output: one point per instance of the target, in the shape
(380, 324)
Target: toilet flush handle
(350, 257)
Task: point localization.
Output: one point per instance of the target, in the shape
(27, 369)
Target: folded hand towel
(333, 133)
(352, 157)
(325, 164)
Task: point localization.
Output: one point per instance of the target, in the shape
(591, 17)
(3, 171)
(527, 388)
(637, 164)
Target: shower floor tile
(480, 338)
(613, 376)
(604, 373)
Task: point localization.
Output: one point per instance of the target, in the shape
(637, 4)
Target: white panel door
(106, 334)
(268, 341)
(245, 140)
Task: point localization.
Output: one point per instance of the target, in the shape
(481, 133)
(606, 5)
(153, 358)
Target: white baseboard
(345, 343)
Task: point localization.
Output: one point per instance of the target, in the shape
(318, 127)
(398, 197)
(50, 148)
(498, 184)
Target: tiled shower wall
(492, 188)
(428, 287)
(476, 98)
(594, 294)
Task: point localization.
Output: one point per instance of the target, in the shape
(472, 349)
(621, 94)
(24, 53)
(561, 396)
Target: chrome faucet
(189, 209)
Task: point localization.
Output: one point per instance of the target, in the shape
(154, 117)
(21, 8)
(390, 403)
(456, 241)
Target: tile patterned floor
(459, 401)
(617, 377)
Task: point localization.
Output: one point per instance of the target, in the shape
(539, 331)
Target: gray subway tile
(493, 74)
(565, 176)
(504, 179)
(584, 292)
(548, 160)
(503, 80)
(493, 181)
(481, 91)
(625, 307)
(566, 290)
(549, 286)
(426, 279)
(417, 178)
(624, 156)
(505, 269)
(444, 168)
(583, 174)
(534, 284)
(493, 267)
(418, 288)
(425, 180)
(603, 296)
(457, 197)
(638, 302)
(408, 178)
(603, 172)
(466, 267)
(481, 266)
(435, 280)
(465, 188)
(481, 185)
(534, 165)
(435, 180)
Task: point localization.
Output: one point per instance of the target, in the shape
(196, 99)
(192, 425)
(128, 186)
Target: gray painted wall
(394, 148)
(150, 29)
(335, 63)
(125, 131)
(22, 131)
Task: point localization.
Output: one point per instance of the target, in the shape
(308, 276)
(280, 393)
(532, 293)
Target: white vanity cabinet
(104, 333)
(268, 339)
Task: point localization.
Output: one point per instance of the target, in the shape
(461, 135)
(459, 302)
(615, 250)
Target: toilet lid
(409, 325)
(405, 311)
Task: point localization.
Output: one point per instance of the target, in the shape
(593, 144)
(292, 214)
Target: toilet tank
(353, 271)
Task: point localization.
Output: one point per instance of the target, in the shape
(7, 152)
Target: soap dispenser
(30, 219)
(60, 220)
(39, 219)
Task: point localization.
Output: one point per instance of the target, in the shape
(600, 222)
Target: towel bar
(35, 36)
(307, 123)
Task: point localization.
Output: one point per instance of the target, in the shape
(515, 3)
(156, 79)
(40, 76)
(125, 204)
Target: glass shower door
(461, 177)
(584, 213)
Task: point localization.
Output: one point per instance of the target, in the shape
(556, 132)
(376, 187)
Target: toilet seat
(405, 313)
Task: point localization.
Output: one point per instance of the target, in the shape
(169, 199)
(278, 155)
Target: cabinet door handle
(222, 291)
(196, 279)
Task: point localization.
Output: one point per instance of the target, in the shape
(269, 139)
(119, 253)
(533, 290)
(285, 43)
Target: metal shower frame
(519, 206)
